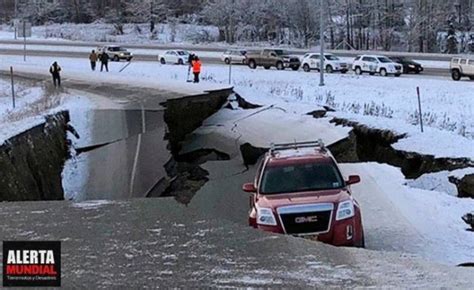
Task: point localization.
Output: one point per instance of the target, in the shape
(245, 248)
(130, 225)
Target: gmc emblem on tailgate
(306, 219)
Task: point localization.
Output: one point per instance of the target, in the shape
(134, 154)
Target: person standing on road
(196, 68)
(190, 65)
(93, 59)
(54, 70)
(104, 61)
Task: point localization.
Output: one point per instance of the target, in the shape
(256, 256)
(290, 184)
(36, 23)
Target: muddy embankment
(374, 145)
(31, 162)
(182, 116)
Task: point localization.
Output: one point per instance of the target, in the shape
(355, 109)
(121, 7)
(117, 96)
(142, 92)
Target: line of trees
(411, 25)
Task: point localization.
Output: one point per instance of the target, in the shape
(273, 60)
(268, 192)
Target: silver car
(234, 55)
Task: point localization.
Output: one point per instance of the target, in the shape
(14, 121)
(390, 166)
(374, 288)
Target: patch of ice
(93, 204)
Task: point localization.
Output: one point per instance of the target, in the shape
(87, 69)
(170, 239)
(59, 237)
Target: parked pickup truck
(462, 67)
(272, 58)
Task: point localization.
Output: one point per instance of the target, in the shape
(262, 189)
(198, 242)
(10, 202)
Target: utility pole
(321, 41)
(16, 16)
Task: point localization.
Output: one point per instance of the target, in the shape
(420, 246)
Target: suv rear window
(300, 177)
(471, 62)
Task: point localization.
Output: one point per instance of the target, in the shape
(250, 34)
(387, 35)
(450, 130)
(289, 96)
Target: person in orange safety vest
(196, 68)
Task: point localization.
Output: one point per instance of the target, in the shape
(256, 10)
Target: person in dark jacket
(190, 65)
(104, 61)
(93, 58)
(55, 69)
(196, 68)
(190, 59)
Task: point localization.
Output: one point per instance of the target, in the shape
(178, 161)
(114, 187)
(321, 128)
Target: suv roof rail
(318, 144)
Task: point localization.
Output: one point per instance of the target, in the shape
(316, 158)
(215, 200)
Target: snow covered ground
(385, 103)
(102, 32)
(156, 52)
(34, 100)
(179, 34)
(400, 218)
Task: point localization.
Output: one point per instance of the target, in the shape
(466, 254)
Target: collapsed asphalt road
(207, 243)
(143, 242)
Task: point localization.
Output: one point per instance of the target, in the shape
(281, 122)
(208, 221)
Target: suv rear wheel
(383, 72)
(180, 61)
(358, 71)
(162, 61)
(456, 75)
(306, 68)
(227, 60)
(329, 69)
(252, 64)
(280, 66)
(116, 58)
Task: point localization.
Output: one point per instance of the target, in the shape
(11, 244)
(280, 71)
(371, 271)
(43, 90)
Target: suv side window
(368, 59)
(315, 56)
(357, 58)
(463, 61)
(471, 62)
(455, 60)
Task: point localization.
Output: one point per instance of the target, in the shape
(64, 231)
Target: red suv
(299, 190)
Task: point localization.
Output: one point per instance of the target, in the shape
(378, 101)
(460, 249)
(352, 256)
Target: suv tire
(162, 61)
(306, 68)
(252, 64)
(280, 66)
(180, 61)
(456, 75)
(266, 67)
(116, 58)
(227, 60)
(383, 72)
(295, 67)
(358, 71)
(329, 69)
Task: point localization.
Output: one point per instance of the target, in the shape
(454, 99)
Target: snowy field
(401, 218)
(102, 32)
(34, 100)
(386, 103)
